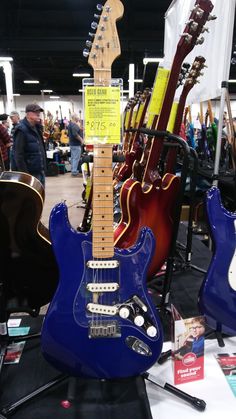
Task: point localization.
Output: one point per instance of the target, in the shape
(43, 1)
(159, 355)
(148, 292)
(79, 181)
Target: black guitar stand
(198, 404)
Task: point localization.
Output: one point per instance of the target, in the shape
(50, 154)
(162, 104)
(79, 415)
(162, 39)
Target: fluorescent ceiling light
(47, 91)
(81, 74)
(152, 60)
(232, 81)
(6, 59)
(16, 94)
(54, 97)
(81, 90)
(137, 80)
(31, 81)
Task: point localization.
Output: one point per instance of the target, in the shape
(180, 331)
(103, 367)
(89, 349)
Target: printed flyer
(187, 348)
(227, 363)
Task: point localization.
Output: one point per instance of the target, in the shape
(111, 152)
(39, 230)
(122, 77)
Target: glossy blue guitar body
(217, 297)
(82, 343)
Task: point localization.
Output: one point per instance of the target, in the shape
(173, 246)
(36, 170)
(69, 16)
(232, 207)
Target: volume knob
(151, 331)
(139, 320)
(124, 312)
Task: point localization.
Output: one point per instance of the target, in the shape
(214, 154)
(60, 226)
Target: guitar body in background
(217, 297)
(156, 210)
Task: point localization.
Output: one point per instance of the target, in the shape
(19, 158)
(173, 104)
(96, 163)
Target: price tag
(159, 90)
(102, 115)
(173, 113)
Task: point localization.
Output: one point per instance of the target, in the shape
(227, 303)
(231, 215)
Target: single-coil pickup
(103, 287)
(102, 264)
(102, 309)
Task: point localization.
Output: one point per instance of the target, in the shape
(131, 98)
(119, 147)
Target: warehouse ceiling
(46, 40)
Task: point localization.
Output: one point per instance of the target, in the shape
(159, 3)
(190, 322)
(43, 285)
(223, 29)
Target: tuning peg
(205, 29)
(200, 41)
(193, 25)
(186, 65)
(94, 25)
(88, 44)
(211, 17)
(198, 11)
(85, 52)
(91, 34)
(96, 16)
(99, 7)
(188, 37)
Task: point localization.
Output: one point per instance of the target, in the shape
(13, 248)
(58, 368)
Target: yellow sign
(159, 90)
(102, 115)
(172, 118)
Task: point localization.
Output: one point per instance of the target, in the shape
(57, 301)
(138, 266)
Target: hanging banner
(216, 48)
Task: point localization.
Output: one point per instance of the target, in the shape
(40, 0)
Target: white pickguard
(232, 267)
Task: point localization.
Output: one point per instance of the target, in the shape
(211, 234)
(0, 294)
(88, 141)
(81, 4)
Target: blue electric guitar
(101, 322)
(217, 297)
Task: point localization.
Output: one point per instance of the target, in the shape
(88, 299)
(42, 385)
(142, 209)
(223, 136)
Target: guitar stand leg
(71, 392)
(218, 336)
(198, 404)
(10, 409)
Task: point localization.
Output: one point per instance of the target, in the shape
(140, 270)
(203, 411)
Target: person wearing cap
(5, 142)
(15, 119)
(28, 145)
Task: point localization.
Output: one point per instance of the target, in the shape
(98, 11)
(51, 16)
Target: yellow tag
(127, 117)
(139, 114)
(173, 112)
(102, 115)
(159, 90)
(133, 118)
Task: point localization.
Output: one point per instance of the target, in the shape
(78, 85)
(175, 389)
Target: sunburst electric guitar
(101, 322)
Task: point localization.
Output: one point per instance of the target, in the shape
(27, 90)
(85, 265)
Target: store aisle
(64, 188)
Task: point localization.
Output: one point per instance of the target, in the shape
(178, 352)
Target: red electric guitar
(142, 203)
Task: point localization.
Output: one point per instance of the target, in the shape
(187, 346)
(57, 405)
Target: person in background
(75, 142)
(28, 145)
(5, 142)
(15, 120)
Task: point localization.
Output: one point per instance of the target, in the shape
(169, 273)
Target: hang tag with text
(102, 115)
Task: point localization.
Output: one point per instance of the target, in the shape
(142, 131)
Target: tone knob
(124, 312)
(151, 331)
(139, 320)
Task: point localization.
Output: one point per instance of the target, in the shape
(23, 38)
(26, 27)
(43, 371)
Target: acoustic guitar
(101, 322)
(148, 199)
(27, 258)
(217, 296)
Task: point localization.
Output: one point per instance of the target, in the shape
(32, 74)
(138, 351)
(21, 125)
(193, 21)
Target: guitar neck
(103, 242)
(103, 236)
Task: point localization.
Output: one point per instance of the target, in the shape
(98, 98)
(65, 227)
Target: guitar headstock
(104, 46)
(194, 28)
(195, 72)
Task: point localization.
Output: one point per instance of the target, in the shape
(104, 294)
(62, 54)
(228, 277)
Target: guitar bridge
(104, 329)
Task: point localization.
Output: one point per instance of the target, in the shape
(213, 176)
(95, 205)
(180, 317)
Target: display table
(213, 389)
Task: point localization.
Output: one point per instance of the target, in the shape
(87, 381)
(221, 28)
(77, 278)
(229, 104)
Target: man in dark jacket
(75, 143)
(28, 148)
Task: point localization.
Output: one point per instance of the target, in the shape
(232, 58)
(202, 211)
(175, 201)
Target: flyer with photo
(227, 363)
(187, 347)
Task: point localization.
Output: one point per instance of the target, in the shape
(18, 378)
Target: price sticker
(159, 90)
(102, 115)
